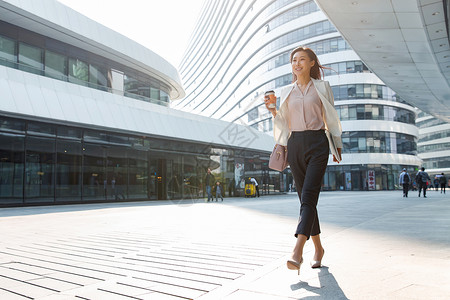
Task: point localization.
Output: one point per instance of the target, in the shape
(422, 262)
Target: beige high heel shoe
(317, 263)
(293, 265)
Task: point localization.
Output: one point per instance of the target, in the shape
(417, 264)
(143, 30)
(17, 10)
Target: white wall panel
(53, 104)
(7, 102)
(37, 100)
(21, 99)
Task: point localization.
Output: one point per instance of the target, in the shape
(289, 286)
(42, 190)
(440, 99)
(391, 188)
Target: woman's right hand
(267, 102)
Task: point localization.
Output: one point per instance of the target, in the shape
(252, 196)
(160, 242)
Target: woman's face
(301, 64)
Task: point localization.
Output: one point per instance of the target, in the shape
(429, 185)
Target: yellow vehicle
(250, 189)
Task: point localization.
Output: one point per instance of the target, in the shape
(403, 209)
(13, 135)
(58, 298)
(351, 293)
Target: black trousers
(308, 158)
(405, 189)
(423, 186)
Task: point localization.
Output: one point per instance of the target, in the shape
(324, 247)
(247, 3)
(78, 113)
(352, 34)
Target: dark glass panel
(30, 58)
(138, 177)
(41, 129)
(98, 77)
(68, 170)
(11, 168)
(69, 132)
(7, 52)
(7, 124)
(94, 175)
(116, 169)
(39, 170)
(55, 65)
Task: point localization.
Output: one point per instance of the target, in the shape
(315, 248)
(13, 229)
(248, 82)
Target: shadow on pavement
(329, 287)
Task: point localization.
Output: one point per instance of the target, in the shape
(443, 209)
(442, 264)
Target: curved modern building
(240, 49)
(84, 117)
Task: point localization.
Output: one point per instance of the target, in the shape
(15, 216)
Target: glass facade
(42, 163)
(44, 56)
(375, 112)
(345, 67)
(363, 91)
(298, 35)
(378, 142)
(292, 14)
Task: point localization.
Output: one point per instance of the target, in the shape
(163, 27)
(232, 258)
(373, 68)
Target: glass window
(7, 124)
(138, 177)
(352, 112)
(41, 129)
(7, 51)
(154, 93)
(78, 71)
(358, 66)
(98, 77)
(68, 170)
(94, 175)
(55, 65)
(360, 112)
(344, 112)
(11, 168)
(350, 67)
(30, 59)
(351, 88)
(69, 132)
(115, 184)
(367, 91)
(343, 92)
(359, 91)
(39, 170)
(164, 96)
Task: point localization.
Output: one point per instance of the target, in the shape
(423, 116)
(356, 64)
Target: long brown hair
(316, 69)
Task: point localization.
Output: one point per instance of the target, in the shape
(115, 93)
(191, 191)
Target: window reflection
(78, 71)
(30, 58)
(11, 168)
(55, 65)
(39, 170)
(375, 112)
(379, 142)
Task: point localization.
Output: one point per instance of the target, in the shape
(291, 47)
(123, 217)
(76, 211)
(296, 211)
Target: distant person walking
(404, 181)
(253, 180)
(308, 124)
(209, 182)
(442, 182)
(219, 191)
(422, 179)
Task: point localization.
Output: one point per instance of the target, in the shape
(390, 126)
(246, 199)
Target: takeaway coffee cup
(270, 95)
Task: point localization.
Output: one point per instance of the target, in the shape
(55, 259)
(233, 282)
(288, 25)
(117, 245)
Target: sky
(163, 26)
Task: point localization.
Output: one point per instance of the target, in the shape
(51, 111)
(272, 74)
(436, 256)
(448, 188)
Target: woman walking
(308, 124)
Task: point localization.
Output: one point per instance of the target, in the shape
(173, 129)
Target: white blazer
(333, 127)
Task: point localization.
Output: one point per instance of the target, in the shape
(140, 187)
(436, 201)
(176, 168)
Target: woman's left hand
(340, 155)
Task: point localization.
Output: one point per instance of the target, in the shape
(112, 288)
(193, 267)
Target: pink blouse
(305, 109)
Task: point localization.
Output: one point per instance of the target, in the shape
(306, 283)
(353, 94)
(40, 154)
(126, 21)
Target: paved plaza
(378, 245)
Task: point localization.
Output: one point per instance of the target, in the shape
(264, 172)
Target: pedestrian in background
(218, 191)
(253, 180)
(306, 111)
(422, 179)
(209, 182)
(436, 183)
(442, 182)
(404, 181)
